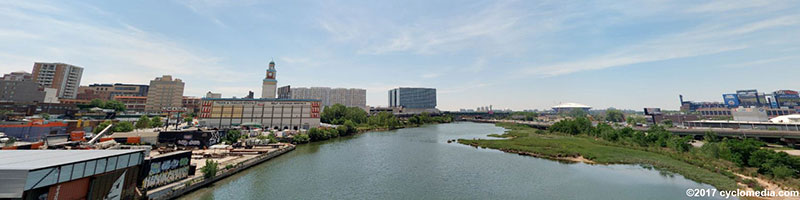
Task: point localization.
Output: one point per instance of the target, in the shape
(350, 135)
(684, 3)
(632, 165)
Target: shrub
(301, 138)
(123, 127)
(210, 169)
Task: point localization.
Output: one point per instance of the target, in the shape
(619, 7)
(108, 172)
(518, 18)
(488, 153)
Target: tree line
(743, 152)
(351, 120)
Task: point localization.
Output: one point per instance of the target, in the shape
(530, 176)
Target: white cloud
(497, 26)
(430, 75)
(704, 40)
(116, 54)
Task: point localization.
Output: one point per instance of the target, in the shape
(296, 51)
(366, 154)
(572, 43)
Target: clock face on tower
(270, 75)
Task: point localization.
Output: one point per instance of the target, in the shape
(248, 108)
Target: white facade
(750, 114)
(350, 97)
(50, 95)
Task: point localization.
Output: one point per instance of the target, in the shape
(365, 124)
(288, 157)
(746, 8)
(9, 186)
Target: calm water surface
(418, 163)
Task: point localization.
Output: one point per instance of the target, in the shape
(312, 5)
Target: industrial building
(32, 131)
(109, 91)
(70, 174)
(277, 114)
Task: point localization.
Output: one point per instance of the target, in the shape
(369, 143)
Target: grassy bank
(565, 147)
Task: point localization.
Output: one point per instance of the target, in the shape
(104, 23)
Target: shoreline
(189, 185)
(559, 143)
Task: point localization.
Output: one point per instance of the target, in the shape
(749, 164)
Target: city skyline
(514, 54)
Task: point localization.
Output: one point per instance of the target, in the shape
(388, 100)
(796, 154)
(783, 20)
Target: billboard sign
(192, 138)
(166, 169)
(731, 100)
(747, 93)
(652, 111)
(789, 92)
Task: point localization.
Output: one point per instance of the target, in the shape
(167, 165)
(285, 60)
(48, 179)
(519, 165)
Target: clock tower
(270, 84)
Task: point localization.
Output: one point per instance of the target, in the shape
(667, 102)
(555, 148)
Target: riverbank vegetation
(354, 120)
(717, 162)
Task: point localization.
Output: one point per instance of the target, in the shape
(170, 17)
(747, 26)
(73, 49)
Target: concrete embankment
(191, 184)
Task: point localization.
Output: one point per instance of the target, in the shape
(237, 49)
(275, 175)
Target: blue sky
(510, 54)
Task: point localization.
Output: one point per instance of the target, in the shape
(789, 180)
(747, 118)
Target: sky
(509, 54)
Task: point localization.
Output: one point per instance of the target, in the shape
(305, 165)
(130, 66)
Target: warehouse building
(270, 113)
(69, 174)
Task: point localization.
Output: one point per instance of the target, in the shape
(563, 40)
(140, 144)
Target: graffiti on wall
(165, 170)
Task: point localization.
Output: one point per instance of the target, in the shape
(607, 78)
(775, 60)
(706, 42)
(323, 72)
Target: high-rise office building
(350, 97)
(164, 92)
(418, 98)
(270, 84)
(63, 77)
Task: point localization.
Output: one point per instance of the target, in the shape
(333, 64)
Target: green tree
(156, 122)
(338, 114)
(97, 103)
(742, 149)
(679, 144)
(350, 127)
(210, 169)
(45, 116)
(577, 112)
(116, 105)
(384, 119)
(615, 116)
(316, 134)
(123, 127)
(232, 136)
(301, 138)
(632, 120)
(143, 122)
(667, 122)
(102, 126)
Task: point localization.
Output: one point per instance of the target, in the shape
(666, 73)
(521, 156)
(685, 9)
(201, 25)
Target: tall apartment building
(164, 92)
(418, 98)
(350, 97)
(63, 77)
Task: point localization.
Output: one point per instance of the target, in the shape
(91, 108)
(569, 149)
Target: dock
(177, 189)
